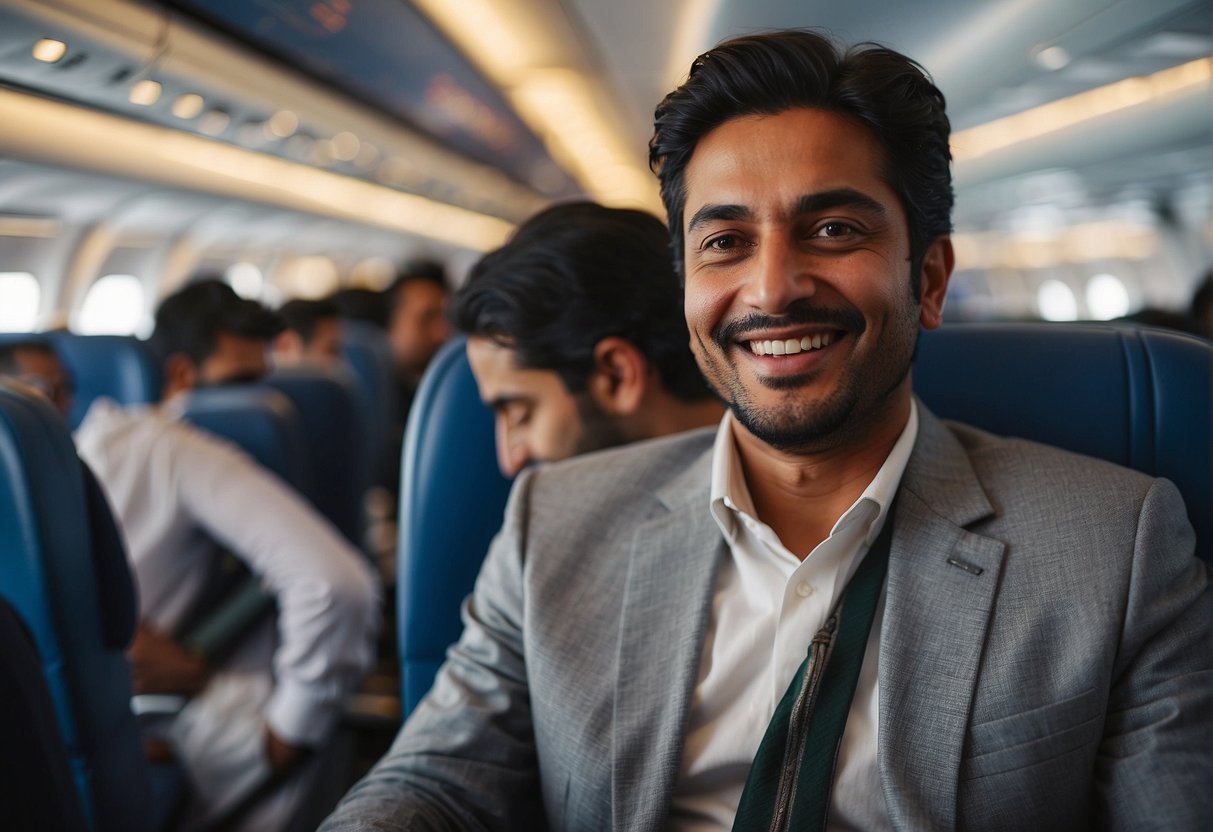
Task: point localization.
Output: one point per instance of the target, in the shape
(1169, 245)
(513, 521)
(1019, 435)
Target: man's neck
(674, 415)
(801, 495)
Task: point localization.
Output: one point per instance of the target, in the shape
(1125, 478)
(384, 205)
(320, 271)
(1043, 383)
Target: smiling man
(834, 611)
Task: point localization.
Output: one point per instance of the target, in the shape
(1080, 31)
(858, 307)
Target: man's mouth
(792, 346)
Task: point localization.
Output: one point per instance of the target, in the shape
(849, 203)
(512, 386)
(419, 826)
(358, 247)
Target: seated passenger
(36, 363)
(418, 324)
(175, 490)
(313, 334)
(577, 338)
(836, 611)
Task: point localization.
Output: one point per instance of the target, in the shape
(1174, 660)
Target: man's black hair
(425, 270)
(572, 275)
(304, 315)
(189, 321)
(357, 304)
(768, 74)
(9, 364)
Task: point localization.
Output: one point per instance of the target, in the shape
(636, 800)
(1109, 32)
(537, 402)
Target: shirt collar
(730, 495)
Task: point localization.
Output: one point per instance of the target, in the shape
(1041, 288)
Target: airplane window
(246, 279)
(19, 296)
(112, 306)
(1056, 301)
(1107, 297)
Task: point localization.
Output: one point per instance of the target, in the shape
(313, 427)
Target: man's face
(798, 278)
(418, 326)
(45, 372)
(325, 346)
(234, 360)
(537, 418)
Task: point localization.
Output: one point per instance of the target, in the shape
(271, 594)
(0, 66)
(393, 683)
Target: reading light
(187, 106)
(145, 93)
(49, 50)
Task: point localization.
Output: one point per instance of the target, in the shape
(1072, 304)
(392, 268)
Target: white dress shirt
(175, 491)
(767, 606)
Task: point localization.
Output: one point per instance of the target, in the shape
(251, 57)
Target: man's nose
(779, 277)
(512, 453)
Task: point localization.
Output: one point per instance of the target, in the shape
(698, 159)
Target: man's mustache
(801, 312)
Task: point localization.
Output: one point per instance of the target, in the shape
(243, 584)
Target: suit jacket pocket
(1034, 736)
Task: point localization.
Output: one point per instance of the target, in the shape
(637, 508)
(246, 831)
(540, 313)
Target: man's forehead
(789, 162)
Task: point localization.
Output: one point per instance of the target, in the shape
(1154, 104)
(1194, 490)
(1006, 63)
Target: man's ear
(180, 373)
(937, 266)
(620, 377)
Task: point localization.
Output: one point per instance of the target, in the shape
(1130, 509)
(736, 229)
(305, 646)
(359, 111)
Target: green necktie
(788, 787)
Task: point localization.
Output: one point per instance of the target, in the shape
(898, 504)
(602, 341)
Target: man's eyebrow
(710, 213)
(505, 400)
(838, 198)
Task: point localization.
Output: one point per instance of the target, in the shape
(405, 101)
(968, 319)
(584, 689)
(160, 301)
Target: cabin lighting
(1052, 58)
(49, 50)
(282, 125)
(214, 122)
(145, 93)
(345, 146)
(1067, 112)
(188, 106)
(51, 131)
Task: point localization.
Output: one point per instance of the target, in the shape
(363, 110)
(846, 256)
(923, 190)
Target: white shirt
(767, 607)
(175, 490)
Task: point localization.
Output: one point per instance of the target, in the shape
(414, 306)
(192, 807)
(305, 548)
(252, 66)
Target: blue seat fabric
(71, 587)
(1139, 397)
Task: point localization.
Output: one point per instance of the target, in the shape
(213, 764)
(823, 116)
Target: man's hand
(160, 665)
(282, 755)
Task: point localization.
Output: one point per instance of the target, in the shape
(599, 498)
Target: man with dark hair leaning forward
(577, 339)
(835, 611)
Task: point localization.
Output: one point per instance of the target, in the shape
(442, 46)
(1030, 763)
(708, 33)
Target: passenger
(253, 720)
(1039, 655)
(37, 364)
(418, 325)
(359, 304)
(313, 334)
(577, 339)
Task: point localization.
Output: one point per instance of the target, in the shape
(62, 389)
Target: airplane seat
(64, 571)
(261, 421)
(369, 355)
(452, 498)
(1136, 396)
(117, 366)
(334, 419)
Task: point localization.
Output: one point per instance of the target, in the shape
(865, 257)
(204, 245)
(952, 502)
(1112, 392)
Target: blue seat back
(260, 420)
(117, 366)
(452, 498)
(1139, 397)
(63, 568)
(336, 431)
(369, 355)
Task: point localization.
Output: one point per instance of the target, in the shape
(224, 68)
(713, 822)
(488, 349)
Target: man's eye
(722, 243)
(834, 229)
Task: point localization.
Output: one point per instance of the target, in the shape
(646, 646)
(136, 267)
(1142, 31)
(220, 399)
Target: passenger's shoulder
(646, 465)
(990, 451)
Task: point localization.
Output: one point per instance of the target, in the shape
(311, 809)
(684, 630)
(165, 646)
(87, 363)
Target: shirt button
(804, 589)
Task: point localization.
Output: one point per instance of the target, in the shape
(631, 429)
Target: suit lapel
(667, 602)
(941, 587)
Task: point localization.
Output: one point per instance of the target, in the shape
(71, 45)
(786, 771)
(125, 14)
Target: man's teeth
(792, 345)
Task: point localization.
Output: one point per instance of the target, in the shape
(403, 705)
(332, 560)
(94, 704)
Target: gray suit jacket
(1045, 656)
